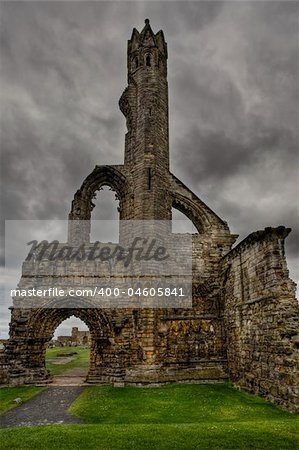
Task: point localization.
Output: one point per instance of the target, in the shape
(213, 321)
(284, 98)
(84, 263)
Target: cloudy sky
(233, 89)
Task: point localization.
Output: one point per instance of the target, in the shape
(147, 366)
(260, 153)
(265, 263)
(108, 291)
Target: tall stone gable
(243, 323)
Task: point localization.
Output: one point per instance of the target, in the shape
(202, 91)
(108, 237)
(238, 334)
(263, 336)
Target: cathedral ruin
(243, 323)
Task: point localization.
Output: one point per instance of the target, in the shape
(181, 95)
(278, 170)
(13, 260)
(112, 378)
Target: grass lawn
(8, 394)
(176, 417)
(81, 360)
(181, 403)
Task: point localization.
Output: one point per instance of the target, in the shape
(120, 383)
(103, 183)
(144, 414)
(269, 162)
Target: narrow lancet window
(149, 178)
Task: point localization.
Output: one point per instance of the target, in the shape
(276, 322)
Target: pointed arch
(44, 321)
(186, 207)
(82, 205)
(204, 219)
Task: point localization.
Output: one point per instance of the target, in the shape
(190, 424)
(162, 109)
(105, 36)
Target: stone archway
(67, 356)
(82, 204)
(185, 207)
(43, 323)
(204, 220)
(32, 330)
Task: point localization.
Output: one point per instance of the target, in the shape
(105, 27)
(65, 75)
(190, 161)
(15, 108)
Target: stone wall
(4, 368)
(261, 318)
(136, 346)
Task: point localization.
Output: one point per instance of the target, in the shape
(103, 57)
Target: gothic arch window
(105, 215)
(135, 62)
(148, 60)
(84, 201)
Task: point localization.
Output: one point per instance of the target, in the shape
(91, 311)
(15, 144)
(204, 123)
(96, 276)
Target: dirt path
(69, 380)
(75, 372)
(46, 408)
(71, 377)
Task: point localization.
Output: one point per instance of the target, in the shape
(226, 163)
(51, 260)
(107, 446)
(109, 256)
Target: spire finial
(146, 21)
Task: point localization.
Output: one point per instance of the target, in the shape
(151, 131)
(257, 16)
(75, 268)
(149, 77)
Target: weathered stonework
(261, 318)
(243, 323)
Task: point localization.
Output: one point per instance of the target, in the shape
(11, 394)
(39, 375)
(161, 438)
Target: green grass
(172, 417)
(224, 436)
(181, 403)
(81, 360)
(8, 394)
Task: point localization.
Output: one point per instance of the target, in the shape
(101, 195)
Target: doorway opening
(68, 352)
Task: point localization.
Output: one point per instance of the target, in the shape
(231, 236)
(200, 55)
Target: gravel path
(46, 408)
(69, 380)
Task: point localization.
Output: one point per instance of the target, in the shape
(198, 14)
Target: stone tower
(243, 323)
(144, 103)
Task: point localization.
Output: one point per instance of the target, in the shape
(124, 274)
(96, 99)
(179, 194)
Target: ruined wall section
(261, 318)
(190, 342)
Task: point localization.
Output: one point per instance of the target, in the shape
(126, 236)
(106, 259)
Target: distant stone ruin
(77, 338)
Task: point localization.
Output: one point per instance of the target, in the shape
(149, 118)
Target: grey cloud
(233, 89)
(215, 156)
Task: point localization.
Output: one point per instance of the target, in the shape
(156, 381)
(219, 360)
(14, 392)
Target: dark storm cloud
(233, 91)
(54, 90)
(219, 157)
(235, 116)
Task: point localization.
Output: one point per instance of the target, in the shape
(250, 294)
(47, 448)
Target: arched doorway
(68, 353)
(33, 329)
